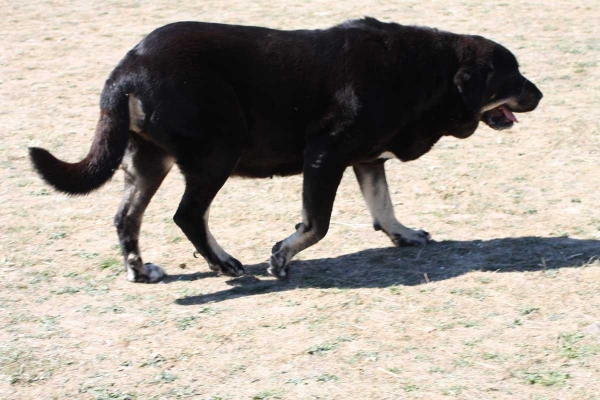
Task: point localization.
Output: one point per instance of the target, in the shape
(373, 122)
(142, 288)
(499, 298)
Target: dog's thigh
(208, 149)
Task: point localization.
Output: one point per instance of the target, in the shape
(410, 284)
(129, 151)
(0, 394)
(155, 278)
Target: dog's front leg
(323, 170)
(371, 178)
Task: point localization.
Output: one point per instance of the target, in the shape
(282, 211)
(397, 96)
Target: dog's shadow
(378, 268)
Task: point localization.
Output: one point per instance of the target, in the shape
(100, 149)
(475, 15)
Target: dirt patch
(505, 305)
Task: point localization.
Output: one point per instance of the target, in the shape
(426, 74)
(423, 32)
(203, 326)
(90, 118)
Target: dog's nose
(535, 92)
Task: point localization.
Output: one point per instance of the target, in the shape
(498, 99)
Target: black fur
(223, 100)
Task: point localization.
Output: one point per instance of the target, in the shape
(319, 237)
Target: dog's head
(491, 86)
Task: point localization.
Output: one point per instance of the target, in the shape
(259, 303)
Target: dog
(223, 100)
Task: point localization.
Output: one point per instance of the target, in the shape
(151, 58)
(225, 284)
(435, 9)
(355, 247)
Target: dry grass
(512, 310)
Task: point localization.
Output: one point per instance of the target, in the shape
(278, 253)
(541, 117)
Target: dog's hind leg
(145, 166)
(371, 178)
(204, 177)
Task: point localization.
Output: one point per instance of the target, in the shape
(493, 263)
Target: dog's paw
(277, 265)
(413, 238)
(151, 273)
(231, 267)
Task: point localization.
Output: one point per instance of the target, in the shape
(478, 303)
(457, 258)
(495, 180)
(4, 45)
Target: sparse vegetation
(505, 305)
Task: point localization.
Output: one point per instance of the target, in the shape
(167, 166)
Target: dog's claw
(420, 238)
(231, 267)
(277, 266)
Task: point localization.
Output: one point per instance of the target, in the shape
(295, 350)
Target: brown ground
(512, 310)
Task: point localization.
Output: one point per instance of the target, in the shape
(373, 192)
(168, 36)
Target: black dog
(222, 100)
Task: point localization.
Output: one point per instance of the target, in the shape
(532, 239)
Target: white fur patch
(387, 155)
(497, 103)
(378, 200)
(168, 163)
(376, 195)
(294, 244)
(348, 106)
(317, 163)
(130, 274)
(348, 101)
(136, 114)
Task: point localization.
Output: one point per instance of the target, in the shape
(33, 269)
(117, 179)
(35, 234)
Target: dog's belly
(265, 164)
(275, 145)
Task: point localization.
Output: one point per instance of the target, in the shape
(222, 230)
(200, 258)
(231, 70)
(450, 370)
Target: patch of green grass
(113, 309)
(109, 263)
(549, 378)
(571, 346)
(269, 394)
(186, 322)
(410, 388)
(526, 310)
(295, 381)
(471, 324)
(516, 322)
(58, 235)
(453, 390)
(321, 349)
(436, 370)
(489, 356)
(24, 367)
(209, 310)
(446, 326)
(327, 378)
(41, 192)
(67, 290)
(396, 289)
(472, 343)
(476, 293)
(155, 361)
(463, 361)
(363, 356)
(87, 256)
(102, 393)
(166, 377)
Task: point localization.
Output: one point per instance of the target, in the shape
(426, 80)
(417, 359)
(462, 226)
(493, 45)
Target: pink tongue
(508, 114)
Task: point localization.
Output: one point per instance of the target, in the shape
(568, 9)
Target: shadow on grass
(377, 268)
(187, 277)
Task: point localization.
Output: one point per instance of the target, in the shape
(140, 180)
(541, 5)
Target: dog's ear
(471, 81)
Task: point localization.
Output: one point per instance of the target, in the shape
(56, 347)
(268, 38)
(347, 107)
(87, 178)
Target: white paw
(411, 237)
(277, 265)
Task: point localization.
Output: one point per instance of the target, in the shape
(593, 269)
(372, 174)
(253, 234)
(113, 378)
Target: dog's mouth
(499, 118)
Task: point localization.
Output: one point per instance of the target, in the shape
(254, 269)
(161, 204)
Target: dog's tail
(103, 158)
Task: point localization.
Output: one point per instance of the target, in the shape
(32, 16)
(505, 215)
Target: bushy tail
(104, 157)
